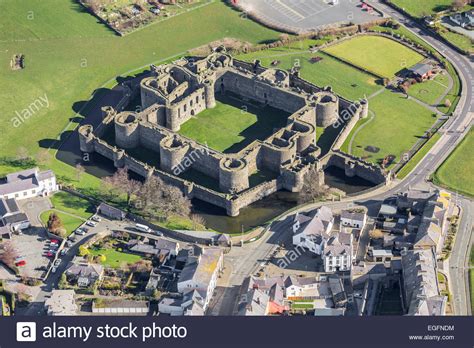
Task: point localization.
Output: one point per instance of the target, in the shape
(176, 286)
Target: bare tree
(157, 197)
(8, 254)
(43, 157)
(121, 182)
(312, 189)
(197, 220)
(80, 170)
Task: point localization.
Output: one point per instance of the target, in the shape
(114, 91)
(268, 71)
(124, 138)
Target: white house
(313, 232)
(27, 184)
(337, 254)
(355, 219)
(300, 286)
(201, 273)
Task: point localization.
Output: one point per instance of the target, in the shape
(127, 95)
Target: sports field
(378, 55)
(326, 72)
(457, 172)
(396, 127)
(233, 124)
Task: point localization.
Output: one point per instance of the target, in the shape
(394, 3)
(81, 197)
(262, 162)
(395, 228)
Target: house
(421, 293)
(311, 232)
(421, 71)
(355, 219)
(82, 273)
(61, 303)
(111, 212)
(464, 20)
(162, 248)
(380, 255)
(275, 289)
(201, 272)
(337, 254)
(28, 184)
(191, 303)
(223, 240)
(338, 293)
(11, 216)
(301, 287)
(254, 302)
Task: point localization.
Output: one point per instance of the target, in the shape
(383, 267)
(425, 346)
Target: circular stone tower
(86, 138)
(172, 153)
(233, 175)
(126, 130)
(327, 109)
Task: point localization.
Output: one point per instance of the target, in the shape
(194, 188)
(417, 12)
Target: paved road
(246, 261)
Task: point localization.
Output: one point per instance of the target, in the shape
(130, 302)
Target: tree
(197, 220)
(447, 103)
(8, 254)
(83, 251)
(43, 157)
(458, 4)
(157, 197)
(79, 171)
(55, 225)
(376, 234)
(312, 189)
(121, 183)
(22, 153)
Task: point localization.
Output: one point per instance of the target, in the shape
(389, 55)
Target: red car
(20, 263)
(50, 254)
(54, 241)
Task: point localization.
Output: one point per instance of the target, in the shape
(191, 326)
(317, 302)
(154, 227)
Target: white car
(80, 232)
(64, 251)
(96, 218)
(91, 223)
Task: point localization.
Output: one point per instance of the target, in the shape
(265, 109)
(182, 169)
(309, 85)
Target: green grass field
(459, 40)
(233, 124)
(418, 156)
(70, 222)
(115, 258)
(397, 125)
(378, 55)
(72, 204)
(64, 55)
(430, 91)
(327, 72)
(65, 50)
(457, 172)
(420, 8)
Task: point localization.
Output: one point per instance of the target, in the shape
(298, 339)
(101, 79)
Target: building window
(25, 193)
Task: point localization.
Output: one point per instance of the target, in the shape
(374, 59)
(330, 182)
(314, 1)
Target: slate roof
(8, 206)
(24, 180)
(421, 69)
(347, 214)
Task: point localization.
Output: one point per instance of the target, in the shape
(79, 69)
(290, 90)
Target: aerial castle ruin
(174, 93)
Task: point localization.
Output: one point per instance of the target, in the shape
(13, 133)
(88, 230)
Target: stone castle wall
(175, 93)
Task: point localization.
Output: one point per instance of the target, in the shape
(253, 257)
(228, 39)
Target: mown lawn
(397, 126)
(420, 8)
(115, 258)
(457, 172)
(459, 40)
(233, 124)
(378, 55)
(430, 91)
(66, 54)
(70, 223)
(72, 204)
(345, 80)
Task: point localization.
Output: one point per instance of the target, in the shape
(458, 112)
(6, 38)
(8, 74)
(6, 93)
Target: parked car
(20, 263)
(96, 218)
(54, 241)
(91, 223)
(69, 243)
(142, 228)
(50, 253)
(64, 251)
(54, 269)
(72, 238)
(19, 258)
(80, 232)
(85, 229)
(57, 263)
